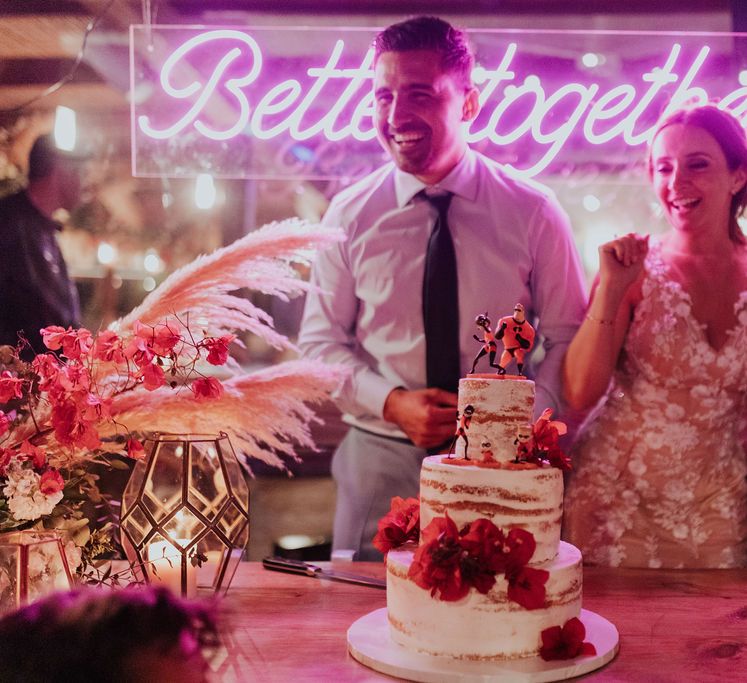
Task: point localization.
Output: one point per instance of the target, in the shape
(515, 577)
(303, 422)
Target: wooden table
(675, 626)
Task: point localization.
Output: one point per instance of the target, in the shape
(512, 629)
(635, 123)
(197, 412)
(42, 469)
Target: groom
(511, 242)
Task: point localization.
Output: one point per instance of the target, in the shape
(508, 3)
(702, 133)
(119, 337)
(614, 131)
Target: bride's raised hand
(621, 261)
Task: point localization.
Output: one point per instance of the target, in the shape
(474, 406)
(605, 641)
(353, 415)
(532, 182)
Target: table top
(674, 625)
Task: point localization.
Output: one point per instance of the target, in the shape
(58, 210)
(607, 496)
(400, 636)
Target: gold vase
(32, 564)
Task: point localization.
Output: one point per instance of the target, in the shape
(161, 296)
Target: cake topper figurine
(489, 345)
(517, 336)
(461, 429)
(486, 452)
(523, 442)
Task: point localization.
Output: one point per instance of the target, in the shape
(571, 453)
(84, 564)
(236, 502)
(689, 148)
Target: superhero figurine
(517, 336)
(461, 430)
(486, 452)
(524, 442)
(489, 345)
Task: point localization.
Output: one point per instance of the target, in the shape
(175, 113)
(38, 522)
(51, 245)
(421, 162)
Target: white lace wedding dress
(659, 472)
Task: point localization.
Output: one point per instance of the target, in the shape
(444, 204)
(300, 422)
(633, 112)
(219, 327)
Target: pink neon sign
(228, 93)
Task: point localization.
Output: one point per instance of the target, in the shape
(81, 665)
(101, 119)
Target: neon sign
(221, 94)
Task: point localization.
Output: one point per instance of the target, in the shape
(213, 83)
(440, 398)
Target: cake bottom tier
(480, 627)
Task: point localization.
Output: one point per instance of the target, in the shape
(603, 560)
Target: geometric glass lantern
(185, 513)
(32, 564)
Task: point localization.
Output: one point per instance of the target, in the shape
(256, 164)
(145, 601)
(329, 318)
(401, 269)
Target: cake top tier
(492, 410)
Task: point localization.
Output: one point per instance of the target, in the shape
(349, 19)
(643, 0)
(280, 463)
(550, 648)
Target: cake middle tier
(530, 499)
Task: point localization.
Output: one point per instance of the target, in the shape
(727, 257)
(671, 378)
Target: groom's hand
(427, 416)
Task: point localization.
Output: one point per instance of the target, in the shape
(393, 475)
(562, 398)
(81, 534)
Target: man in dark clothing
(35, 290)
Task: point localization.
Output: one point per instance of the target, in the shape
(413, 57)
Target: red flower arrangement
(543, 447)
(449, 562)
(566, 642)
(399, 526)
(88, 401)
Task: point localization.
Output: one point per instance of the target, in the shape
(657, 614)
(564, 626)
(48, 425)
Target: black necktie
(441, 302)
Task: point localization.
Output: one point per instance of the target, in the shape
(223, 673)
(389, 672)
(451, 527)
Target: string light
(152, 262)
(65, 129)
(106, 253)
(205, 192)
(591, 203)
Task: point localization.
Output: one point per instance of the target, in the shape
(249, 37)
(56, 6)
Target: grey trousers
(369, 471)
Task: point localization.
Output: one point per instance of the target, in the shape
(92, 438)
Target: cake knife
(283, 564)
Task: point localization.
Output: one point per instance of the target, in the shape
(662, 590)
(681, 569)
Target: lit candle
(166, 567)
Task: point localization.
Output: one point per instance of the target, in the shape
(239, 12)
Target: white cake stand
(370, 643)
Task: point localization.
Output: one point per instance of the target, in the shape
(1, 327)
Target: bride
(660, 466)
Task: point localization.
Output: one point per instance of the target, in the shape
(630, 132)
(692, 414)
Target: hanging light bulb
(64, 129)
(106, 253)
(152, 261)
(591, 203)
(205, 192)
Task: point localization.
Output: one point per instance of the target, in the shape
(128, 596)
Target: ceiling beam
(44, 72)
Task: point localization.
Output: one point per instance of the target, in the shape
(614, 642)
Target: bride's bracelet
(599, 321)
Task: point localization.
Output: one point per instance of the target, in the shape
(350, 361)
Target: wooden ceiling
(42, 38)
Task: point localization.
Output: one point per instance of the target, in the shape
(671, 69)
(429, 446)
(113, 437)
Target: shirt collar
(461, 180)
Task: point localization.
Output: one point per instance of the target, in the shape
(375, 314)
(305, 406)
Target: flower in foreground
(95, 392)
(399, 526)
(207, 387)
(5, 422)
(566, 642)
(135, 449)
(26, 499)
(51, 482)
(218, 348)
(10, 386)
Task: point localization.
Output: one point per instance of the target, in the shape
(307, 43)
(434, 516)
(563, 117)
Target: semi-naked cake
(489, 484)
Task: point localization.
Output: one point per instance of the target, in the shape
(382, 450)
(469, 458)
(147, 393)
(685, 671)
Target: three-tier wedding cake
(489, 573)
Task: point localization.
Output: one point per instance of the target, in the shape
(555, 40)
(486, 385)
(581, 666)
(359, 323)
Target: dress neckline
(663, 267)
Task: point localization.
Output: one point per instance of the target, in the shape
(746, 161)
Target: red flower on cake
(483, 543)
(557, 458)
(546, 432)
(566, 642)
(436, 565)
(399, 526)
(526, 585)
(449, 562)
(544, 444)
(487, 543)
